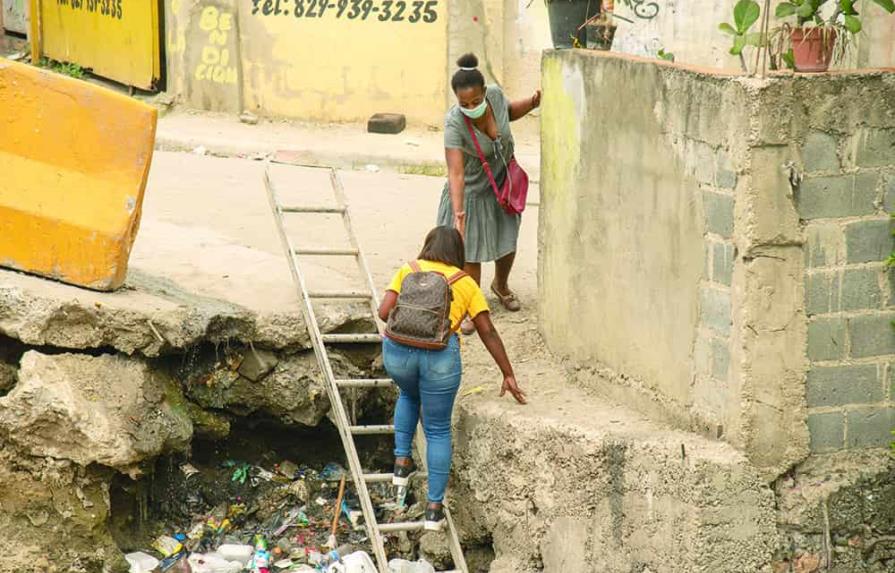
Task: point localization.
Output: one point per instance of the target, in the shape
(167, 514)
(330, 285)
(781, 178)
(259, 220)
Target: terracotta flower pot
(812, 48)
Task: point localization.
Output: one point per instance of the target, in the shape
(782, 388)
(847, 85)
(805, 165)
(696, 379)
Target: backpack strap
(456, 276)
(415, 266)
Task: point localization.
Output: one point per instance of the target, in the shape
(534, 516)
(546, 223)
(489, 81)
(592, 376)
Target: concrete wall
(226, 55)
(14, 15)
(676, 253)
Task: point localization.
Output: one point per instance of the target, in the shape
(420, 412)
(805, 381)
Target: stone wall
(848, 159)
(715, 243)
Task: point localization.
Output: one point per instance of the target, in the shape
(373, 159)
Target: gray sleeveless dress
(491, 233)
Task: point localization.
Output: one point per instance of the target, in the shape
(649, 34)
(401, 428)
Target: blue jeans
(429, 380)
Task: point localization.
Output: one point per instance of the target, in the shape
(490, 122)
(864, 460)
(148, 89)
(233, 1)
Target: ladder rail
(332, 391)
(342, 200)
(375, 530)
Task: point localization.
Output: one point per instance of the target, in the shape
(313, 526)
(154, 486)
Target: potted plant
(813, 39)
(566, 20)
(812, 43)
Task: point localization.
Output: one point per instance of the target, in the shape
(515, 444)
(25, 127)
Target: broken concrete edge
(154, 325)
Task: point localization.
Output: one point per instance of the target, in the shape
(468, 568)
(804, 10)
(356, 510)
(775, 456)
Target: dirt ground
(197, 208)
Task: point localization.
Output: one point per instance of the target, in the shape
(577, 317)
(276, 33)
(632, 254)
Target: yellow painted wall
(117, 39)
(332, 67)
(74, 159)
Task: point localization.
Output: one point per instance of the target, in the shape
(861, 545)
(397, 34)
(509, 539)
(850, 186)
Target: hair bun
(468, 61)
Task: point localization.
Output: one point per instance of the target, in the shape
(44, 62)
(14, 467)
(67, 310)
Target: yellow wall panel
(117, 39)
(74, 159)
(344, 60)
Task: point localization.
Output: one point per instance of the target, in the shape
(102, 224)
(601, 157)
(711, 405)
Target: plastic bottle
(336, 555)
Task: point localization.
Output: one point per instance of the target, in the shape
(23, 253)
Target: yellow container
(74, 159)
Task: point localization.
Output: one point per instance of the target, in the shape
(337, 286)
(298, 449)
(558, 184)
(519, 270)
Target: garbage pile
(289, 518)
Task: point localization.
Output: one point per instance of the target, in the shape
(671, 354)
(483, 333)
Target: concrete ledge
(574, 484)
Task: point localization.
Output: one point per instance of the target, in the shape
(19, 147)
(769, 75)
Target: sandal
(509, 300)
(467, 327)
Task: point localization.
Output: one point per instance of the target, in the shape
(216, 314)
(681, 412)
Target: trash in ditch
(332, 472)
(141, 562)
(404, 566)
(213, 518)
(189, 470)
(167, 546)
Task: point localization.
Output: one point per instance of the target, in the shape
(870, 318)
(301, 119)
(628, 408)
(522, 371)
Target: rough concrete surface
(573, 482)
(103, 410)
(839, 509)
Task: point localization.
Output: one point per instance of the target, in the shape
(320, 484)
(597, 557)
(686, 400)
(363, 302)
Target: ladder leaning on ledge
(375, 530)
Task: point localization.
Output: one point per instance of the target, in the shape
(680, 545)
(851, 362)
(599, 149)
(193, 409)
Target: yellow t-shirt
(468, 297)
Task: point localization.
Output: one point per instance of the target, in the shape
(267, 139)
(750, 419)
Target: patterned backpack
(422, 316)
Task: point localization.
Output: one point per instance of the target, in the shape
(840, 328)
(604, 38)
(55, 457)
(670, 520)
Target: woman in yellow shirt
(429, 379)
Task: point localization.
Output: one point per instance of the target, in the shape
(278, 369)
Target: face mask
(477, 111)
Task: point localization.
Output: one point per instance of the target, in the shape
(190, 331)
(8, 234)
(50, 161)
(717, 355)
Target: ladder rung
(373, 383)
(324, 252)
(313, 209)
(402, 526)
(352, 338)
(374, 478)
(349, 294)
(360, 430)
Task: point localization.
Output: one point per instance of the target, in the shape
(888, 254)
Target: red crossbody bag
(511, 196)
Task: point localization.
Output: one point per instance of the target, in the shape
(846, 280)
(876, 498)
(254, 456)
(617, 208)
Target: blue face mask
(476, 112)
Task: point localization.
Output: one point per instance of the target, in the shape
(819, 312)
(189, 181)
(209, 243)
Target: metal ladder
(334, 386)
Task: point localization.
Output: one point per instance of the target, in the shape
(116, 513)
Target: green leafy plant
(809, 11)
(663, 55)
(65, 68)
(745, 14)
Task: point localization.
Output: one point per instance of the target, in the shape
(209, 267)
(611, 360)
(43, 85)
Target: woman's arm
(522, 107)
(491, 340)
(387, 304)
(457, 183)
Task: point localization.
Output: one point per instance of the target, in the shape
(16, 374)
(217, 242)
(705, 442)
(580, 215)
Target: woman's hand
(510, 384)
(536, 100)
(460, 223)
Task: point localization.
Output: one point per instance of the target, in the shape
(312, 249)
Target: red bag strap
(478, 148)
(415, 267)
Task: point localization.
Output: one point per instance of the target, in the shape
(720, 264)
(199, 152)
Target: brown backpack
(422, 316)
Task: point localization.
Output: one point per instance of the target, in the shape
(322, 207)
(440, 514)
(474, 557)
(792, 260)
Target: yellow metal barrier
(117, 39)
(74, 159)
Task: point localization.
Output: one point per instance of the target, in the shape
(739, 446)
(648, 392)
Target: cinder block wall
(712, 245)
(848, 157)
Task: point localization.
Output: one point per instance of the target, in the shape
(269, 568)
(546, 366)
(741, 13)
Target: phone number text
(110, 8)
(412, 11)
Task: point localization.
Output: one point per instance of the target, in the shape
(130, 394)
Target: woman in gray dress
(468, 202)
